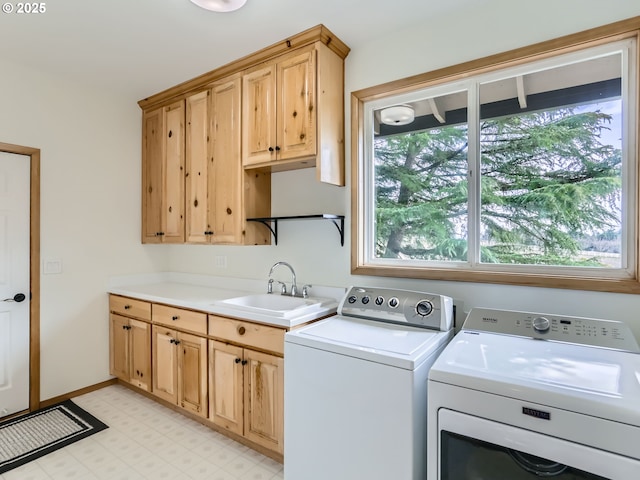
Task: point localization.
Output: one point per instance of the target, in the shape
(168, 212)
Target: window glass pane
(551, 166)
(420, 180)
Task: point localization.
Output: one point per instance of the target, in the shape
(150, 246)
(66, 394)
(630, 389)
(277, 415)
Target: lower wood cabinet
(180, 369)
(130, 358)
(246, 393)
(225, 370)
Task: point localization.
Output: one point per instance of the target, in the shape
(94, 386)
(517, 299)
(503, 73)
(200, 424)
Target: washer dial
(424, 308)
(541, 324)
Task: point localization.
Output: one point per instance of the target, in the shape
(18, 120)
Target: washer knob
(394, 302)
(379, 300)
(365, 299)
(541, 324)
(352, 299)
(424, 308)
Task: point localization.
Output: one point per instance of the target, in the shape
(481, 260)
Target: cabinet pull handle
(238, 360)
(241, 330)
(175, 317)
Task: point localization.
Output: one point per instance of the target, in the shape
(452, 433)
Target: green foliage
(548, 182)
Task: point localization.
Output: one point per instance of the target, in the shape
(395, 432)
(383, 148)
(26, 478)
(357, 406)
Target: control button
(424, 308)
(379, 300)
(365, 299)
(352, 299)
(394, 302)
(541, 324)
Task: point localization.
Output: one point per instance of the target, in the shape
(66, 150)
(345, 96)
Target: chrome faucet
(294, 287)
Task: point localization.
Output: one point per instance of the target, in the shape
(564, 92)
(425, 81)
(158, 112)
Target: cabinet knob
(277, 148)
(271, 149)
(241, 330)
(238, 360)
(244, 362)
(175, 317)
(127, 307)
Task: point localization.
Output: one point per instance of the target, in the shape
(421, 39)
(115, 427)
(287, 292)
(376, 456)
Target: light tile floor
(147, 441)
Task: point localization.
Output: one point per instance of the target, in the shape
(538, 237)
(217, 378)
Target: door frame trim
(34, 267)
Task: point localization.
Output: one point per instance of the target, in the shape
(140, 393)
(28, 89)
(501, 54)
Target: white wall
(313, 247)
(90, 212)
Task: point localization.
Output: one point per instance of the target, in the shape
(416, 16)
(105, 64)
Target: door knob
(18, 297)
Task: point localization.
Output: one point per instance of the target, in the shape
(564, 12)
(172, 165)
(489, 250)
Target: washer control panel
(406, 307)
(584, 331)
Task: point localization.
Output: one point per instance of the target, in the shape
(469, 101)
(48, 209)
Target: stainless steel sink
(277, 305)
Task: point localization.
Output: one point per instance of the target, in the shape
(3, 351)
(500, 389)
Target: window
(524, 173)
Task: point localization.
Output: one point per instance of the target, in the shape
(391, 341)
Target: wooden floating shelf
(272, 222)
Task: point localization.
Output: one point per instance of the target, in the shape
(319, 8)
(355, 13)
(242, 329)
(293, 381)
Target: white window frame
(439, 83)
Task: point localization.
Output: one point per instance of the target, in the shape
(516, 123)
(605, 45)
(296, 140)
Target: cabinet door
(165, 364)
(197, 171)
(119, 347)
(263, 399)
(226, 386)
(173, 212)
(226, 173)
(192, 373)
(140, 354)
(259, 115)
(152, 174)
(296, 117)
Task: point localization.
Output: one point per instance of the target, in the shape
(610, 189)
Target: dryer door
(475, 448)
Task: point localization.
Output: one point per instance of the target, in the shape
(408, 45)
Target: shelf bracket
(272, 223)
(340, 228)
(268, 222)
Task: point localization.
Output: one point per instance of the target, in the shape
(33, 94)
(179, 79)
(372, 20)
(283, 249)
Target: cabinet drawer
(130, 307)
(247, 333)
(179, 318)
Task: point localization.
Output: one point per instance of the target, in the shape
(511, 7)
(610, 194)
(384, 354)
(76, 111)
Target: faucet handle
(270, 286)
(283, 287)
(305, 290)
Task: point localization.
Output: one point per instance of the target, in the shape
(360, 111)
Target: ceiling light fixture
(397, 115)
(220, 5)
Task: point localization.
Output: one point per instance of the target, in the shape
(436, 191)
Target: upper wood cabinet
(278, 118)
(163, 174)
(293, 113)
(214, 166)
(219, 194)
(210, 144)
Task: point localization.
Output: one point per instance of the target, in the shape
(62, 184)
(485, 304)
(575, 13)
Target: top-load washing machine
(520, 395)
(355, 387)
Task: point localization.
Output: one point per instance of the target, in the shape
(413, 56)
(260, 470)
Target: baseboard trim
(76, 393)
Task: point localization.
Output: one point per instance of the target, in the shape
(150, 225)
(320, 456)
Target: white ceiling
(140, 47)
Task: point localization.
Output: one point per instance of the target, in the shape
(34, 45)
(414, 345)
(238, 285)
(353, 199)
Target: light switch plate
(51, 266)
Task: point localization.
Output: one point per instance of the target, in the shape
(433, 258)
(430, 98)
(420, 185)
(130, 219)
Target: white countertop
(200, 292)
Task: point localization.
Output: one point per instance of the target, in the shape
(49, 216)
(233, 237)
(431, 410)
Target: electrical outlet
(221, 261)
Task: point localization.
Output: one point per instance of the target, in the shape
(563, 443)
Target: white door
(14, 279)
